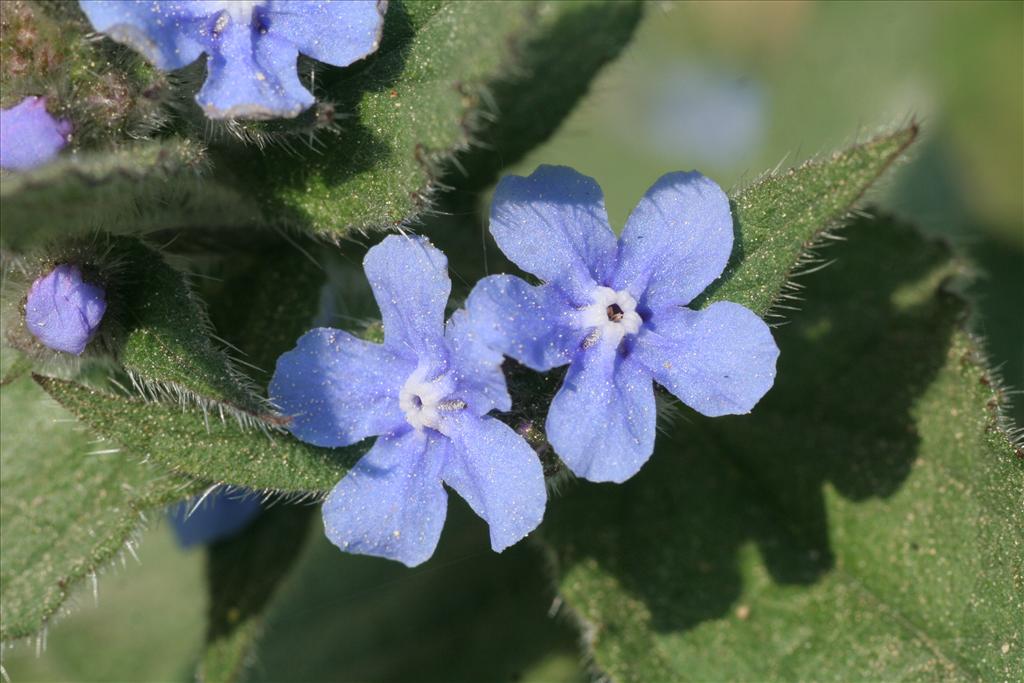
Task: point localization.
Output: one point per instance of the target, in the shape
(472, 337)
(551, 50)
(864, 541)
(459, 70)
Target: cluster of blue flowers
(613, 310)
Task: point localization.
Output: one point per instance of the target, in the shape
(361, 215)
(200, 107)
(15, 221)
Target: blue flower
(425, 393)
(219, 516)
(29, 136)
(615, 311)
(63, 311)
(252, 45)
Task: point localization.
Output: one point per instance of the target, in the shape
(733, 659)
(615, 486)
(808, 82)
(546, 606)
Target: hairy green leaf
(864, 523)
(444, 70)
(161, 334)
(469, 614)
(70, 504)
(206, 446)
(139, 188)
(780, 216)
(243, 573)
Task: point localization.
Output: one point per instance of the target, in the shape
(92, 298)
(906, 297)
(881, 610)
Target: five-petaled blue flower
(29, 135)
(253, 45)
(425, 393)
(615, 311)
(63, 311)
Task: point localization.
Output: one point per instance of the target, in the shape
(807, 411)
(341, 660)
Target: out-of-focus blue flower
(708, 115)
(253, 45)
(29, 136)
(615, 311)
(219, 516)
(63, 311)
(425, 393)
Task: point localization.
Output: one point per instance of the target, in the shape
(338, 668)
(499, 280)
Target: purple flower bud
(29, 136)
(62, 311)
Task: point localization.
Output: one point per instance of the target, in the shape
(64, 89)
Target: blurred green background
(732, 89)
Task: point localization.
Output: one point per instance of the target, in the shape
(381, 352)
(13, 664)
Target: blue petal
(718, 361)
(475, 367)
(602, 421)
(337, 33)
(676, 242)
(553, 224)
(29, 136)
(409, 277)
(219, 516)
(392, 503)
(339, 389)
(64, 312)
(251, 76)
(498, 474)
(530, 324)
(166, 33)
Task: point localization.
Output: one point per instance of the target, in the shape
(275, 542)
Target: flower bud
(63, 311)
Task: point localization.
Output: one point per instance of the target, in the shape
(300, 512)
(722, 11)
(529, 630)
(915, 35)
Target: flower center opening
(611, 315)
(424, 401)
(236, 10)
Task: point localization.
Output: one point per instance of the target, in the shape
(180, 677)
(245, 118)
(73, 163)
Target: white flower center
(424, 401)
(237, 10)
(612, 316)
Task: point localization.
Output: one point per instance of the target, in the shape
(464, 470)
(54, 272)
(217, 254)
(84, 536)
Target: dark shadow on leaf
(869, 340)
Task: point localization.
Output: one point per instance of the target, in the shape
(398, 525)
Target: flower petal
(410, 282)
(676, 242)
(29, 136)
(217, 517)
(337, 33)
(251, 75)
(62, 311)
(530, 324)
(554, 224)
(498, 474)
(602, 421)
(392, 503)
(166, 33)
(719, 360)
(476, 367)
(339, 389)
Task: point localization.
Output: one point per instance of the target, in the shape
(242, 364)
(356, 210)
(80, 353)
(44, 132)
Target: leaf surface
(70, 505)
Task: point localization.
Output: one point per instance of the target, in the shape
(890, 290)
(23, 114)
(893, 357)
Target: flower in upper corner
(217, 517)
(253, 45)
(615, 311)
(425, 393)
(63, 311)
(29, 135)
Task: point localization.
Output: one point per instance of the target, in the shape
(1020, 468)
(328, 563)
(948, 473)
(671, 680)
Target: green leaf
(468, 614)
(780, 217)
(207, 447)
(261, 303)
(442, 72)
(162, 335)
(864, 523)
(139, 188)
(243, 573)
(70, 505)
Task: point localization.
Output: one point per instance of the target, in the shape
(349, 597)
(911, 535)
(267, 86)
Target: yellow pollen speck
(396, 533)
(260, 76)
(667, 365)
